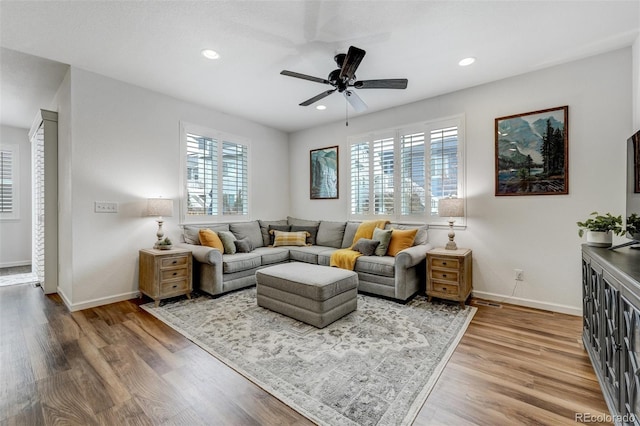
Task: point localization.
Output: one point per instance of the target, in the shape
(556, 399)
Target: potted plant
(633, 226)
(600, 229)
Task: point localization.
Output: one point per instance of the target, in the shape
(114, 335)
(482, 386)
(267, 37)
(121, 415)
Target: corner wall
(537, 234)
(15, 240)
(126, 149)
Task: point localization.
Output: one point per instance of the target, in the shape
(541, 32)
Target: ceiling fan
(343, 79)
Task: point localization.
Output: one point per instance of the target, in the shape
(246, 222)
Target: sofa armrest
(412, 256)
(203, 254)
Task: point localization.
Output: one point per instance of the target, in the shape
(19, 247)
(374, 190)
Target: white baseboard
(16, 263)
(96, 302)
(553, 307)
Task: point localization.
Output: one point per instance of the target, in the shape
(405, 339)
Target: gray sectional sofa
(399, 277)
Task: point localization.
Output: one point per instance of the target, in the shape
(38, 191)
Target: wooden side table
(165, 273)
(449, 274)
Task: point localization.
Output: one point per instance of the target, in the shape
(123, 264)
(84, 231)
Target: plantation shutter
(6, 181)
(360, 178)
(383, 169)
(443, 165)
(202, 175)
(234, 178)
(412, 173)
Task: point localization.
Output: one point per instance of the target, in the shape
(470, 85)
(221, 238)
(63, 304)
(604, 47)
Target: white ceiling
(157, 44)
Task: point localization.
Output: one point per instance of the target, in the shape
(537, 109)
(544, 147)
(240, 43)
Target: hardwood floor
(118, 365)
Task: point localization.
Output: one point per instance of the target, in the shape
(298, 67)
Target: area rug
(375, 366)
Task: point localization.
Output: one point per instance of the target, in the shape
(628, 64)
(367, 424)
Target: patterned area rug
(375, 366)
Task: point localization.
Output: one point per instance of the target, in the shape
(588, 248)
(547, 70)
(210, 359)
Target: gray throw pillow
(366, 246)
(312, 230)
(228, 239)
(243, 245)
(384, 237)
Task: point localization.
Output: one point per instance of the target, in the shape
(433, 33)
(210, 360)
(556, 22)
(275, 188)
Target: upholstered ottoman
(314, 294)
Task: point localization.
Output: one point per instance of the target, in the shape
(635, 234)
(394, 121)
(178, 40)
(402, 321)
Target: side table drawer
(169, 287)
(173, 261)
(169, 274)
(438, 274)
(445, 263)
(449, 289)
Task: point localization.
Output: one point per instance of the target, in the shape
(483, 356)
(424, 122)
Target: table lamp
(159, 207)
(451, 208)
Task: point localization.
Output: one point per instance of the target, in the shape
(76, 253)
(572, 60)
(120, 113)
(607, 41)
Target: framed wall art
(323, 178)
(532, 153)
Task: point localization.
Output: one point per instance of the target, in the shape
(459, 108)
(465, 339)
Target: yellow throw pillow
(289, 238)
(401, 239)
(210, 239)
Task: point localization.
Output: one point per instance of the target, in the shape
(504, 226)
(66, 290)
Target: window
(9, 182)
(402, 173)
(216, 175)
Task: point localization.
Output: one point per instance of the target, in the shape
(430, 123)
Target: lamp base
(451, 245)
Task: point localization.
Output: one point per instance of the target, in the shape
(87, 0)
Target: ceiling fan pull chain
(346, 113)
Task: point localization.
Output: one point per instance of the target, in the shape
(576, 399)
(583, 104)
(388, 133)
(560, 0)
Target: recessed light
(321, 107)
(467, 61)
(210, 54)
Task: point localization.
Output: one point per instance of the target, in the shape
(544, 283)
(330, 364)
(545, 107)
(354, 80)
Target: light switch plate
(106, 207)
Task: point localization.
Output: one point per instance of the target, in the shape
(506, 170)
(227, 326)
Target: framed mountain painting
(532, 153)
(324, 173)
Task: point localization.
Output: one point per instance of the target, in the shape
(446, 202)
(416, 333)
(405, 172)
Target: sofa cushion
(232, 263)
(228, 239)
(308, 254)
(243, 245)
(312, 230)
(190, 233)
(301, 222)
(249, 230)
(330, 234)
(283, 228)
(271, 255)
(384, 236)
(401, 239)
(210, 239)
(376, 265)
(324, 256)
(366, 246)
(349, 232)
(264, 228)
(289, 238)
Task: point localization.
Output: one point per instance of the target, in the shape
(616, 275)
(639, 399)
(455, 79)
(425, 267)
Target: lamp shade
(451, 207)
(160, 207)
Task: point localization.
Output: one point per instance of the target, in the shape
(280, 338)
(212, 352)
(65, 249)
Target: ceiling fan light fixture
(321, 107)
(210, 54)
(467, 61)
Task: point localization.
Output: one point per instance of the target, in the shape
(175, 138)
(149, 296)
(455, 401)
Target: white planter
(599, 238)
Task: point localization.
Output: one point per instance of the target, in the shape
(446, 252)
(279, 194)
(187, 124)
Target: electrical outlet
(519, 274)
(105, 207)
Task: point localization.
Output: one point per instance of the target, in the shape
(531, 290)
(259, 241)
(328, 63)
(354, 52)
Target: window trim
(186, 219)
(15, 183)
(420, 127)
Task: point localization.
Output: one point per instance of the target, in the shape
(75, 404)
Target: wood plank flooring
(118, 365)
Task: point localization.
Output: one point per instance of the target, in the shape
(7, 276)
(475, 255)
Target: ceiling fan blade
(317, 97)
(351, 63)
(304, 77)
(389, 83)
(355, 101)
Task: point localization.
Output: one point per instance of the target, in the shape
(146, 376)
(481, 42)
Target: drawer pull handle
(175, 261)
(444, 263)
(175, 273)
(444, 275)
(175, 286)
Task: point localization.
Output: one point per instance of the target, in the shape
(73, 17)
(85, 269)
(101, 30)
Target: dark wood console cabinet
(611, 326)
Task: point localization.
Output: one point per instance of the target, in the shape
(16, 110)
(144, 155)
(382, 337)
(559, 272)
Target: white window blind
(217, 181)
(406, 171)
(8, 183)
